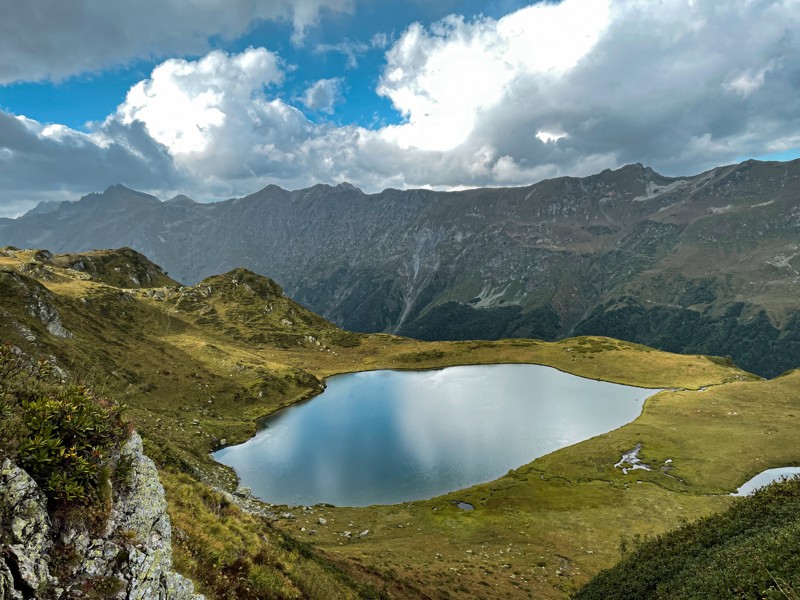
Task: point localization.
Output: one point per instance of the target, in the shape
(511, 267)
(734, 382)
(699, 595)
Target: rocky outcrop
(26, 535)
(131, 559)
(38, 301)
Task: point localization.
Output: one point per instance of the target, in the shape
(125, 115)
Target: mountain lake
(382, 437)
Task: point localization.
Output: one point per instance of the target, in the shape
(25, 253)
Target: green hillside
(198, 366)
(751, 550)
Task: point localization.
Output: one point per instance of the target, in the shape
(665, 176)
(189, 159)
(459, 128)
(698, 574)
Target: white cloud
(549, 136)
(52, 39)
(552, 89)
(443, 78)
(636, 81)
(380, 40)
(185, 104)
(747, 82)
(323, 95)
(351, 50)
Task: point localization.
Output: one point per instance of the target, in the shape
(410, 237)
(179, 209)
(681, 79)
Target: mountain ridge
(559, 257)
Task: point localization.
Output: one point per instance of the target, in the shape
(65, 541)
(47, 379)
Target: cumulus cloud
(322, 95)
(441, 79)
(216, 119)
(50, 39)
(552, 89)
(185, 104)
(47, 162)
(583, 84)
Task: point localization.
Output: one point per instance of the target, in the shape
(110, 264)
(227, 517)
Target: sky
(219, 98)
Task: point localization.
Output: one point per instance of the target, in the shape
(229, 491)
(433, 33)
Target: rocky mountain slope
(708, 263)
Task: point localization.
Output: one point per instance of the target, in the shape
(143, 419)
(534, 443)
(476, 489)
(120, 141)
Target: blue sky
(235, 95)
(92, 96)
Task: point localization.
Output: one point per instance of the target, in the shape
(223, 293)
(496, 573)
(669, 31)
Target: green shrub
(64, 435)
(751, 550)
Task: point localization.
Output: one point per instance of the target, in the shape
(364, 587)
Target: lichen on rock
(26, 529)
(133, 556)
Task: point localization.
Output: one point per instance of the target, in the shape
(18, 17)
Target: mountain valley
(706, 263)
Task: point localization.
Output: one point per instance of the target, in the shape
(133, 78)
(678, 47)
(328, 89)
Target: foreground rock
(131, 559)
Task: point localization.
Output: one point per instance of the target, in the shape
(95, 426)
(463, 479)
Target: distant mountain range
(703, 264)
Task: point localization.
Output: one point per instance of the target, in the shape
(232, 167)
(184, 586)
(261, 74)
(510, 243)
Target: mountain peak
(44, 207)
(118, 187)
(180, 200)
(119, 191)
(346, 185)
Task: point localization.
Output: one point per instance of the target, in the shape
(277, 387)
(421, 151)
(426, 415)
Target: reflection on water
(764, 478)
(382, 437)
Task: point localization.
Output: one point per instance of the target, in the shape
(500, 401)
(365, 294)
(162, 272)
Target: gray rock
(136, 547)
(141, 513)
(40, 305)
(23, 514)
(7, 591)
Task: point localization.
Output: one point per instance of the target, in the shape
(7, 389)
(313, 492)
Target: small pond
(383, 437)
(764, 478)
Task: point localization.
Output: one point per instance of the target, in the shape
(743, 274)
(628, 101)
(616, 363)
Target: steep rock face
(547, 260)
(132, 559)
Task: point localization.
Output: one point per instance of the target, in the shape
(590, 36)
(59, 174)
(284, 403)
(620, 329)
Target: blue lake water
(383, 437)
(764, 478)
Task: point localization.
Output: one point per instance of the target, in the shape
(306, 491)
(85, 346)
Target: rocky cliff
(44, 556)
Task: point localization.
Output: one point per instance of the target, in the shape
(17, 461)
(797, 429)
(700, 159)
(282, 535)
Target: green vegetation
(62, 434)
(236, 555)
(758, 346)
(199, 366)
(123, 268)
(752, 550)
(456, 321)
